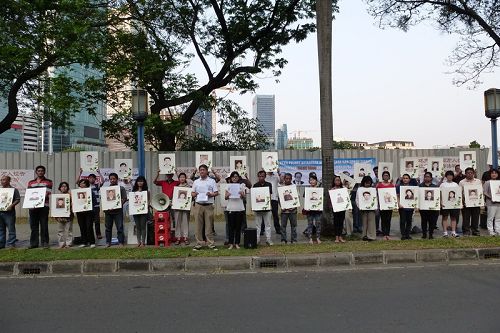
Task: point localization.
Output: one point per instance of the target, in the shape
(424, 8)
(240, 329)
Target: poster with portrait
(347, 181)
(138, 203)
(123, 168)
(82, 199)
(495, 190)
(261, 198)
(269, 161)
(367, 198)
(89, 161)
(340, 199)
(6, 198)
(429, 198)
(386, 166)
(166, 163)
(204, 157)
(34, 197)
(60, 205)
(409, 165)
(313, 198)
(387, 198)
(408, 197)
(467, 160)
(182, 199)
(222, 190)
(110, 197)
(361, 170)
(473, 196)
(239, 164)
(288, 196)
(451, 197)
(435, 166)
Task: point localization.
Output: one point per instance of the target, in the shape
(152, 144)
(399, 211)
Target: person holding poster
(182, 216)
(235, 210)
(367, 216)
(385, 215)
(493, 219)
(338, 217)
(64, 224)
(86, 219)
(8, 217)
(288, 215)
(39, 217)
(115, 215)
(141, 219)
(454, 214)
(470, 215)
(428, 217)
(313, 217)
(406, 214)
(263, 216)
(95, 186)
(274, 179)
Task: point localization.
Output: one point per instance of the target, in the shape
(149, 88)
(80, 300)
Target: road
(416, 299)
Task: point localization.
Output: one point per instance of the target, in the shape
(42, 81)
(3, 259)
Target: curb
(245, 264)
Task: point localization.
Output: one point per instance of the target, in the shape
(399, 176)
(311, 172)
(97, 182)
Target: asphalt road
(430, 299)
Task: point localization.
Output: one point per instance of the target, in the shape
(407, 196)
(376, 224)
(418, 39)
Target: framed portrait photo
(495, 190)
(467, 160)
(386, 166)
(182, 199)
(473, 196)
(261, 198)
(367, 198)
(451, 197)
(204, 157)
(387, 198)
(409, 165)
(110, 197)
(361, 170)
(34, 197)
(166, 163)
(435, 166)
(60, 205)
(239, 164)
(89, 161)
(82, 199)
(123, 168)
(313, 198)
(288, 196)
(269, 161)
(429, 198)
(340, 199)
(138, 203)
(6, 198)
(408, 196)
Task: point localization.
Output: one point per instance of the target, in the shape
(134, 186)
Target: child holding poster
(64, 224)
(338, 217)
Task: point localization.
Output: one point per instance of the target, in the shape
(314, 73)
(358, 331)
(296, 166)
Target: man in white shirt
(204, 191)
(274, 180)
(470, 215)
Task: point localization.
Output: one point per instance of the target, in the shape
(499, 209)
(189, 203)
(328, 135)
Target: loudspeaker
(250, 238)
(160, 202)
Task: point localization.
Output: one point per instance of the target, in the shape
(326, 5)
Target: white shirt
(235, 204)
(274, 180)
(202, 187)
(448, 184)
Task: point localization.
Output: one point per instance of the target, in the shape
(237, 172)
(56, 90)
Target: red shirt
(167, 187)
(382, 185)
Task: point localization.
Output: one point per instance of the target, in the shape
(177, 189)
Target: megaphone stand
(162, 228)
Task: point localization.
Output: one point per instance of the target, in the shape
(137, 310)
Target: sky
(387, 85)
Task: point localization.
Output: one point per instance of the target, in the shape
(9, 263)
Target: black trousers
(428, 221)
(39, 224)
(470, 216)
(276, 217)
(85, 222)
(405, 221)
(235, 220)
(385, 218)
(338, 223)
(97, 220)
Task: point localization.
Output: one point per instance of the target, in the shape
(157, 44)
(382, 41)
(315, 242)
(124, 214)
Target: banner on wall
(346, 165)
(19, 178)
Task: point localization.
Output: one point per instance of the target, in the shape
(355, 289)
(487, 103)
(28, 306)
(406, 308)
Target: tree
(342, 145)
(477, 22)
(474, 144)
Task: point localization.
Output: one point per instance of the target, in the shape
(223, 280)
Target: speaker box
(250, 238)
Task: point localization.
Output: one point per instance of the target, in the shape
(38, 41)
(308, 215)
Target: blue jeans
(292, 217)
(39, 223)
(8, 221)
(108, 223)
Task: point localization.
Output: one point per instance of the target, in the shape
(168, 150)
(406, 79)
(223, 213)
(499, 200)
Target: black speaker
(250, 238)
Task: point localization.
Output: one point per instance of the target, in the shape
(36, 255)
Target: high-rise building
(263, 107)
(300, 143)
(282, 137)
(23, 134)
(201, 125)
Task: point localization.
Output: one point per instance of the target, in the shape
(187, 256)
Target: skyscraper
(264, 111)
(282, 137)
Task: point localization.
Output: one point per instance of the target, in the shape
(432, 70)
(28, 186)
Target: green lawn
(183, 251)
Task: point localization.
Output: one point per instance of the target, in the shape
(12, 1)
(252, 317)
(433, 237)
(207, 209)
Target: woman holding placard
(182, 216)
(454, 214)
(367, 216)
(86, 219)
(385, 215)
(313, 216)
(140, 219)
(493, 208)
(338, 217)
(428, 218)
(406, 214)
(235, 208)
(64, 224)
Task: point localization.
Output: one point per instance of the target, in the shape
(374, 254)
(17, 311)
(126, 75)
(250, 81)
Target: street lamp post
(140, 113)
(492, 111)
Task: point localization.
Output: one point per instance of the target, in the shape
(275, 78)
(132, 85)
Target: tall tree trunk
(324, 39)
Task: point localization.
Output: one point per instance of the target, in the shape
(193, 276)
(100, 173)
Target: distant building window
(91, 132)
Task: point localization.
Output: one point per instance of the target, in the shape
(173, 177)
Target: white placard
(288, 196)
(261, 198)
(204, 157)
(34, 197)
(367, 198)
(473, 195)
(386, 166)
(89, 161)
(60, 205)
(82, 199)
(123, 168)
(429, 198)
(269, 161)
(6, 198)
(138, 203)
(182, 198)
(387, 198)
(408, 197)
(340, 199)
(222, 191)
(110, 197)
(239, 164)
(166, 163)
(451, 197)
(361, 170)
(347, 181)
(467, 160)
(409, 165)
(313, 198)
(495, 190)
(435, 166)
(234, 190)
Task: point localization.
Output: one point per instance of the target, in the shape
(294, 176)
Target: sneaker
(230, 247)
(236, 246)
(455, 235)
(213, 247)
(284, 241)
(92, 246)
(445, 235)
(270, 243)
(81, 245)
(108, 244)
(476, 233)
(197, 247)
